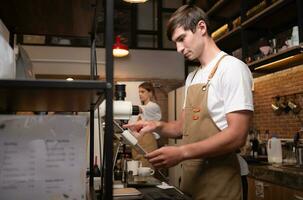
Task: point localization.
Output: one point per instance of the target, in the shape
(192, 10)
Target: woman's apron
(211, 178)
(149, 144)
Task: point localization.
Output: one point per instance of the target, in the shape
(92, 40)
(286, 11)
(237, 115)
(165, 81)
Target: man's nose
(180, 48)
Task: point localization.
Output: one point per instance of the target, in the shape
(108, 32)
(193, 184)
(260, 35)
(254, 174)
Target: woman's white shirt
(151, 111)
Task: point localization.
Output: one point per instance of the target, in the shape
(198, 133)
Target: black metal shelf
(50, 95)
(79, 18)
(282, 60)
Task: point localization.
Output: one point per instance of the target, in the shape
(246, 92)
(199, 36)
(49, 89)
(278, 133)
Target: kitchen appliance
(274, 150)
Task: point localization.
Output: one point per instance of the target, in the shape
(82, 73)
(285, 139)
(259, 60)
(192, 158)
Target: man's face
(187, 42)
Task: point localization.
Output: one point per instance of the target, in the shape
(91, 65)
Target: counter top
(148, 187)
(154, 193)
(290, 176)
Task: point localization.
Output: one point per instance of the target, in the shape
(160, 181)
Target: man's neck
(210, 51)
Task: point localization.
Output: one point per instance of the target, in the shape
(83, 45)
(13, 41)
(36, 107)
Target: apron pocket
(191, 174)
(201, 179)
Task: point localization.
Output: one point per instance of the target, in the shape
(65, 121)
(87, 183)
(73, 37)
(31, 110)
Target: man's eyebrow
(178, 38)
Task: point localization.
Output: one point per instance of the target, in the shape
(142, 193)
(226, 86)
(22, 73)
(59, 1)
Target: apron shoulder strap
(194, 75)
(212, 73)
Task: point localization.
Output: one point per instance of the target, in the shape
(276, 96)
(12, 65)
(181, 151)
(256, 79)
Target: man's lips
(186, 55)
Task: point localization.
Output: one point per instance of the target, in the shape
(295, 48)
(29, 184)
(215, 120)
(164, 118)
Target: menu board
(42, 157)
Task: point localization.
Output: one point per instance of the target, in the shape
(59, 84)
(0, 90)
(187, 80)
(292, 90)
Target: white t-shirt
(151, 111)
(230, 88)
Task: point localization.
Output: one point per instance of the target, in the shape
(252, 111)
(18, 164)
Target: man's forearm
(229, 139)
(219, 144)
(172, 129)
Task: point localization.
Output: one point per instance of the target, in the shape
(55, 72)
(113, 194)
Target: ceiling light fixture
(135, 1)
(119, 49)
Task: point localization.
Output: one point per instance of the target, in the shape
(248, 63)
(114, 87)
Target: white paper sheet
(42, 157)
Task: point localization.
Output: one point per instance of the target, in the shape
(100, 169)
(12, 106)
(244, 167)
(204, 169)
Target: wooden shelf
(224, 11)
(224, 41)
(50, 95)
(276, 17)
(282, 60)
(215, 9)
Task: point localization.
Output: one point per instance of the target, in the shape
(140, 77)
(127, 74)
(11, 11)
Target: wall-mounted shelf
(275, 21)
(276, 17)
(226, 10)
(284, 59)
(50, 95)
(224, 41)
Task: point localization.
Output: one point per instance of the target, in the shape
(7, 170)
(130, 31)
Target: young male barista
(216, 116)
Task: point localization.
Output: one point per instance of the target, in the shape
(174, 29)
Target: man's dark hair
(187, 16)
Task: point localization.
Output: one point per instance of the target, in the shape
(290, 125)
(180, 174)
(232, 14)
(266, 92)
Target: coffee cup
(133, 165)
(145, 171)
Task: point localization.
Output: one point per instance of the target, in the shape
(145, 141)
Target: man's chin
(190, 58)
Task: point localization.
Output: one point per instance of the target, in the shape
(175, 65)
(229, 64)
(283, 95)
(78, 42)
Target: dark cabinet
(261, 190)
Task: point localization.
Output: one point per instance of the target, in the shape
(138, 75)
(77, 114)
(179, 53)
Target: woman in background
(149, 110)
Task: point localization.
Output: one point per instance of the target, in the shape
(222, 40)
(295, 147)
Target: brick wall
(266, 88)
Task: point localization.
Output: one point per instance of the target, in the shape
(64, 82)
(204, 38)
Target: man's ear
(201, 26)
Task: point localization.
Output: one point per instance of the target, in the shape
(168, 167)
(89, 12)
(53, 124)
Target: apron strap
(194, 75)
(212, 73)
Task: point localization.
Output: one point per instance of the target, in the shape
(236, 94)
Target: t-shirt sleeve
(151, 111)
(237, 87)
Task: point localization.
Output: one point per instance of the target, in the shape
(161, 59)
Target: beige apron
(212, 178)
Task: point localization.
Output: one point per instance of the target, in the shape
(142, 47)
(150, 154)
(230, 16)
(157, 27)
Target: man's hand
(165, 157)
(143, 126)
